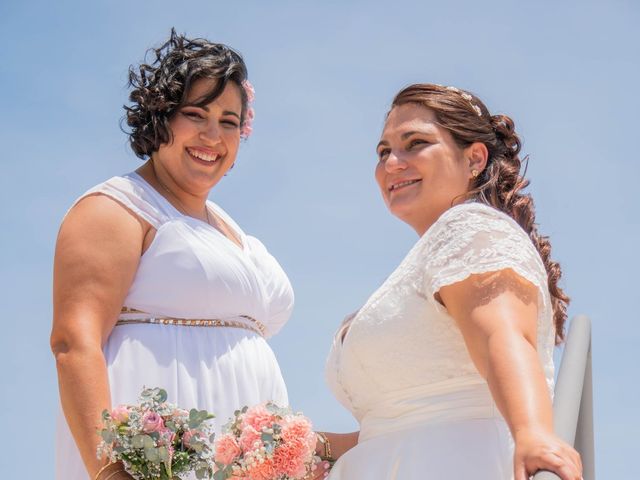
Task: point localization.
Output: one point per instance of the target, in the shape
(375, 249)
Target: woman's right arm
(97, 253)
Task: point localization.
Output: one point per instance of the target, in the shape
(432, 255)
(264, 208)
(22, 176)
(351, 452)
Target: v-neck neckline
(345, 329)
(208, 205)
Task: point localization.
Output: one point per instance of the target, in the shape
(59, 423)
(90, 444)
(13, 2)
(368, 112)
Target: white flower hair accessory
(468, 98)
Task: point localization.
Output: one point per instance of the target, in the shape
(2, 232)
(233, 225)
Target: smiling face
(205, 139)
(421, 171)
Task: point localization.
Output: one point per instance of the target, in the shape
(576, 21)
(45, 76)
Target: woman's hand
(545, 451)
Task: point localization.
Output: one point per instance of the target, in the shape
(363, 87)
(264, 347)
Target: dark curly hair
(160, 87)
(501, 183)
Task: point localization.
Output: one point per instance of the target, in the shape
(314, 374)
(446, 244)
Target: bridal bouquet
(157, 440)
(266, 442)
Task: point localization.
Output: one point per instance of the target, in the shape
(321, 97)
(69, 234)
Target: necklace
(182, 208)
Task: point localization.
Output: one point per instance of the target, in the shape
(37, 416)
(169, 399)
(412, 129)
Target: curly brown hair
(160, 87)
(501, 183)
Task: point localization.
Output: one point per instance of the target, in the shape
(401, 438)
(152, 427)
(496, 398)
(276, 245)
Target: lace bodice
(402, 345)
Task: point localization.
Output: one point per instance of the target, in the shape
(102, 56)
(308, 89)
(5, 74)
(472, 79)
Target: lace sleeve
(475, 238)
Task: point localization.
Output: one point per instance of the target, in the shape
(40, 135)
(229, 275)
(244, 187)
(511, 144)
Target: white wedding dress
(402, 368)
(191, 271)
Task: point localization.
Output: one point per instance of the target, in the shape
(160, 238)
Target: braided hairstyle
(501, 183)
(161, 87)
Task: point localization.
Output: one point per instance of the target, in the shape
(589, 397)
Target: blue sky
(324, 74)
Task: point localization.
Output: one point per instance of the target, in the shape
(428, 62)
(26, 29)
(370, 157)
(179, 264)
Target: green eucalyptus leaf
(197, 446)
(107, 436)
(137, 441)
(161, 395)
(203, 470)
(269, 448)
(196, 417)
(153, 395)
(152, 454)
(148, 442)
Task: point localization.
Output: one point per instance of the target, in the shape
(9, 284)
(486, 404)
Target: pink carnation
(248, 439)
(299, 428)
(227, 449)
(257, 417)
(290, 457)
(120, 414)
(152, 422)
(262, 471)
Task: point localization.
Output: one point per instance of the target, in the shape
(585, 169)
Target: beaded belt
(255, 325)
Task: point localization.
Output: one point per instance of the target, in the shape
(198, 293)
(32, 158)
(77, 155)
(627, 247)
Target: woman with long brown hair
(448, 366)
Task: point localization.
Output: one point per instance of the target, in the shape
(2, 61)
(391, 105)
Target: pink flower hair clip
(247, 128)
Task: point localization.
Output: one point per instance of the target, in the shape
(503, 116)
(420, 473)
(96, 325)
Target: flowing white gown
(191, 270)
(402, 368)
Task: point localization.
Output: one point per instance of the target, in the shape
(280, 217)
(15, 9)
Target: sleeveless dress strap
(136, 195)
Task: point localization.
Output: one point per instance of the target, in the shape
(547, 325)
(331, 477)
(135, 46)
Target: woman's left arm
(497, 314)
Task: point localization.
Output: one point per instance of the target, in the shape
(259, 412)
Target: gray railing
(573, 398)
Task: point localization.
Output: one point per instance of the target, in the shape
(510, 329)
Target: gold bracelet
(115, 473)
(106, 467)
(327, 446)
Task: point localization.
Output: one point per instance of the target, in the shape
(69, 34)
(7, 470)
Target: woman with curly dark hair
(154, 285)
(449, 365)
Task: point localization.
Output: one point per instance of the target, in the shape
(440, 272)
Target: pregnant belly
(219, 369)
